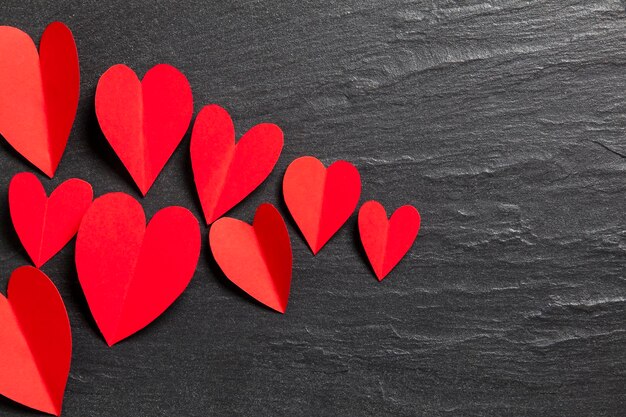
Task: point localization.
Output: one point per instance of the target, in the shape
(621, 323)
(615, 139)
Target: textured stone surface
(502, 121)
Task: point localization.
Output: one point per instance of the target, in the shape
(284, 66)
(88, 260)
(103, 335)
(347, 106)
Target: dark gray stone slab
(501, 120)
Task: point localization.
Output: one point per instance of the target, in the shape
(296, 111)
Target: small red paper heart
(38, 93)
(44, 225)
(131, 273)
(35, 342)
(256, 258)
(144, 121)
(387, 241)
(226, 173)
(320, 200)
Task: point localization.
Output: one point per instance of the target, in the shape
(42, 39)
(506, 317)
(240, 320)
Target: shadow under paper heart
(6, 403)
(100, 145)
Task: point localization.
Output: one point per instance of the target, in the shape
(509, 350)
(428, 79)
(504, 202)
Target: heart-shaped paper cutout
(144, 121)
(387, 241)
(131, 273)
(38, 93)
(256, 258)
(320, 200)
(45, 224)
(35, 342)
(226, 173)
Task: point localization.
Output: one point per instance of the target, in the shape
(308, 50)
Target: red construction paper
(144, 121)
(387, 241)
(38, 93)
(131, 273)
(35, 342)
(226, 173)
(319, 199)
(45, 224)
(256, 258)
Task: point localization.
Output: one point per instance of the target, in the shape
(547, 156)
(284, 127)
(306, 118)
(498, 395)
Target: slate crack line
(621, 155)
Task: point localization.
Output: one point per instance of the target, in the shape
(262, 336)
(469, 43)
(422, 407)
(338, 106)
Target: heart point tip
(110, 341)
(37, 262)
(143, 189)
(53, 408)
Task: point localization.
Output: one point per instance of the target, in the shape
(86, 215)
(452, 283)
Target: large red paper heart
(387, 241)
(319, 199)
(144, 121)
(35, 342)
(256, 258)
(131, 273)
(226, 173)
(38, 93)
(44, 225)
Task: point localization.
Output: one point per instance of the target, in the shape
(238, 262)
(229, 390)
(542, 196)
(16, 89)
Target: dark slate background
(502, 121)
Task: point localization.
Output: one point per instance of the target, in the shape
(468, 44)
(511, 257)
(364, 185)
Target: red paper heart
(256, 258)
(131, 273)
(35, 342)
(144, 121)
(387, 241)
(226, 173)
(38, 93)
(319, 199)
(44, 225)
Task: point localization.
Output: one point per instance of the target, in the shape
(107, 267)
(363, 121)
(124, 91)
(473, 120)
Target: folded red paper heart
(144, 121)
(387, 241)
(256, 258)
(38, 93)
(35, 342)
(226, 173)
(131, 273)
(320, 199)
(45, 224)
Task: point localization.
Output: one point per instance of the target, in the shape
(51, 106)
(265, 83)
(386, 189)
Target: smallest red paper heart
(45, 224)
(387, 241)
(35, 342)
(256, 258)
